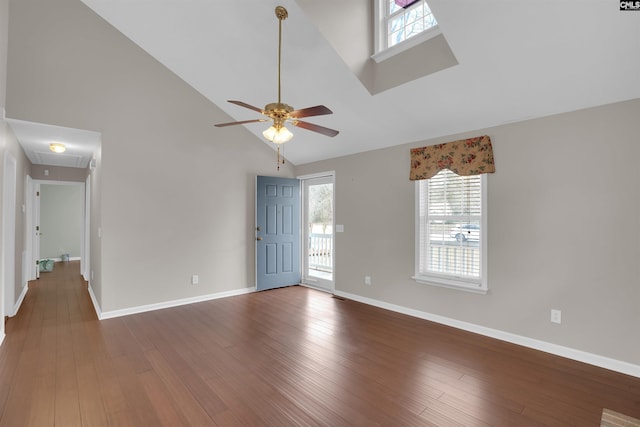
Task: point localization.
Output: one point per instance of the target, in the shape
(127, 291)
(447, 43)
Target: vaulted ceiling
(516, 60)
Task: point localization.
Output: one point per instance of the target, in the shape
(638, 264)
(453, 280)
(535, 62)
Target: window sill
(452, 284)
(406, 44)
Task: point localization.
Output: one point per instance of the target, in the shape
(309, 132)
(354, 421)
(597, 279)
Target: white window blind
(449, 246)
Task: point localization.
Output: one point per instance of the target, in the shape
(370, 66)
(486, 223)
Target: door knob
(258, 238)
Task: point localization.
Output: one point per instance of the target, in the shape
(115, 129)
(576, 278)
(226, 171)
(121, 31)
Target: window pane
(393, 7)
(414, 29)
(396, 24)
(405, 23)
(459, 259)
(396, 37)
(450, 225)
(414, 14)
(430, 21)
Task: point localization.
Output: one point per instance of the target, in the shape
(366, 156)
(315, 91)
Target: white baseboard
(18, 303)
(166, 304)
(570, 353)
(59, 259)
(96, 306)
(316, 287)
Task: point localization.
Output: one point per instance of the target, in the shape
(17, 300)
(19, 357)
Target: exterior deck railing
(456, 258)
(320, 246)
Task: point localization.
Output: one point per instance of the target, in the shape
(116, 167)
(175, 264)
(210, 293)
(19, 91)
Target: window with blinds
(450, 247)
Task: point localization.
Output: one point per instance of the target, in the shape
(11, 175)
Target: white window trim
(382, 52)
(405, 45)
(448, 281)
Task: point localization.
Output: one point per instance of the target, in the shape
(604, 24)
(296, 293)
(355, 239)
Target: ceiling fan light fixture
(57, 147)
(278, 135)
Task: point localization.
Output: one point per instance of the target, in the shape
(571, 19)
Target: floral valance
(473, 156)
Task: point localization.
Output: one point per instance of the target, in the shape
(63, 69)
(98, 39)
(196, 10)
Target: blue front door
(277, 232)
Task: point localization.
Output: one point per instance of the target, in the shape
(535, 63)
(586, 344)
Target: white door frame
(29, 273)
(9, 234)
(85, 262)
(313, 282)
(35, 228)
(35, 256)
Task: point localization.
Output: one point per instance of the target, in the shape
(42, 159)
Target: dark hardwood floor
(291, 356)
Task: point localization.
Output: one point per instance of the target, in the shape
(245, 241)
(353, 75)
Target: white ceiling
(36, 137)
(517, 60)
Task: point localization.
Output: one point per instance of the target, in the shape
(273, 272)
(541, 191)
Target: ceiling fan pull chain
(280, 156)
(278, 161)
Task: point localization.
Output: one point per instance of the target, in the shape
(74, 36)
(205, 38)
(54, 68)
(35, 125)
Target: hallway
(50, 341)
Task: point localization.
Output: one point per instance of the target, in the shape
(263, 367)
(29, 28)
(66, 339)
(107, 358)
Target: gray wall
(8, 142)
(173, 194)
(61, 220)
(4, 128)
(58, 173)
(4, 38)
(563, 233)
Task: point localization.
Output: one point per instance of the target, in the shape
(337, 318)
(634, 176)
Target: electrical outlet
(367, 280)
(556, 316)
(194, 279)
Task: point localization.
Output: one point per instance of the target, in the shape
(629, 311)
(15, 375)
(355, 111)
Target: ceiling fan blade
(315, 128)
(318, 110)
(245, 105)
(221, 125)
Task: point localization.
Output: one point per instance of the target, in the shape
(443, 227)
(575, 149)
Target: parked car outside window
(466, 232)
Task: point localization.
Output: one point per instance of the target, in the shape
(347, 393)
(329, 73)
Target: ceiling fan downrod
(278, 111)
(281, 14)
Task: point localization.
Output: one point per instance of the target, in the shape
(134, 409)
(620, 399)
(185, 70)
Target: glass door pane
(319, 231)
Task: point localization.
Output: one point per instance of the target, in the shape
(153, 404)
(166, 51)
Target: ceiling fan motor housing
(279, 112)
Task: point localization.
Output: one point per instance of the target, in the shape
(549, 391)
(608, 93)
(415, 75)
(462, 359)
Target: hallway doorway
(59, 218)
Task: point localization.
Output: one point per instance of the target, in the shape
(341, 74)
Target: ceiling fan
(280, 113)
